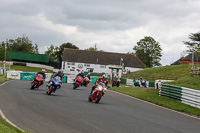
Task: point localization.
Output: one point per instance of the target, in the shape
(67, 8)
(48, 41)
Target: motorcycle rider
(88, 75)
(43, 71)
(79, 74)
(102, 79)
(143, 82)
(59, 74)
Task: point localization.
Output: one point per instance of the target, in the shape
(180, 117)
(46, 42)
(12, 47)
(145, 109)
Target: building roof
(99, 57)
(187, 58)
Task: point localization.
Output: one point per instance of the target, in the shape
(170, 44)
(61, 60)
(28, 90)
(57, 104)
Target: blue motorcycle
(54, 85)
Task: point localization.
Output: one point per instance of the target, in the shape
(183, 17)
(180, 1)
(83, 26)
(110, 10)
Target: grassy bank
(151, 95)
(7, 128)
(188, 82)
(165, 72)
(28, 69)
(3, 79)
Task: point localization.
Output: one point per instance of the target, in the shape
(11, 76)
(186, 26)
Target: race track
(68, 111)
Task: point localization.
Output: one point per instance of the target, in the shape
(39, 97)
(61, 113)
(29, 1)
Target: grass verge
(28, 69)
(189, 82)
(7, 128)
(3, 79)
(151, 95)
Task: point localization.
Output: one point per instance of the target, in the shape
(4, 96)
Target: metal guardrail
(182, 94)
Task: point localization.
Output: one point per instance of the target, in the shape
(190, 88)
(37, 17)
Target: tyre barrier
(181, 94)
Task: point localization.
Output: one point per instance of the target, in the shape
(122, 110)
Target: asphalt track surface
(68, 111)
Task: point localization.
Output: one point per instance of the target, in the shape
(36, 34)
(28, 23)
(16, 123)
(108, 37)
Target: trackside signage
(27, 75)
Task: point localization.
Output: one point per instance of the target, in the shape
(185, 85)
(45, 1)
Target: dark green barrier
(27, 75)
(151, 84)
(171, 91)
(93, 80)
(65, 79)
(123, 81)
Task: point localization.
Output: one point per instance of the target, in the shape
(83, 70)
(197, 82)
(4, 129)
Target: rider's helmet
(88, 74)
(43, 71)
(60, 72)
(104, 76)
(141, 78)
(82, 73)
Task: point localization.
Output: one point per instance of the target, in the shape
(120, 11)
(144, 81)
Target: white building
(75, 60)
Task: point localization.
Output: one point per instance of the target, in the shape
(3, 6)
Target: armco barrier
(191, 97)
(123, 81)
(151, 84)
(171, 91)
(129, 81)
(182, 94)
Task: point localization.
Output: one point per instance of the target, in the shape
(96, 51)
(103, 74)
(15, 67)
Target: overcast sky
(113, 25)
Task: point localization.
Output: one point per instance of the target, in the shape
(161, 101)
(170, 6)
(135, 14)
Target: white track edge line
(156, 105)
(4, 117)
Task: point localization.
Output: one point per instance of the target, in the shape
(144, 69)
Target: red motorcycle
(78, 82)
(116, 83)
(85, 81)
(97, 93)
(37, 80)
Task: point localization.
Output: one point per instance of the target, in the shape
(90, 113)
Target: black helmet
(60, 72)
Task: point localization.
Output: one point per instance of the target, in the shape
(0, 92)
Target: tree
(56, 53)
(51, 52)
(148, 51)
(91, 49)
(3, 48)
(21, 44)
(94, 48)
(59, 52)
(194, 39)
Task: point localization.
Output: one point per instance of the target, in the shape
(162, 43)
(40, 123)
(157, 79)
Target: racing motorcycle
(37, 80)
(54, 85)
(77, 82)
(143, 83)
(97, 93)
(85, 81)
(116, 83)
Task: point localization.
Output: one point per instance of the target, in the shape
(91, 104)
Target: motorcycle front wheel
(89, 98)
(33, 86)
(98, 97)
(75, 86)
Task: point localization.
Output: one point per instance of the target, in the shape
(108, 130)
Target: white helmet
(104, 76)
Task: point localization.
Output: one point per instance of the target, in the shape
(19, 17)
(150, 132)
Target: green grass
(151, 95)
(28, 69)
(7, 128)
(3, 79)
(188, 82)
(179, 71)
